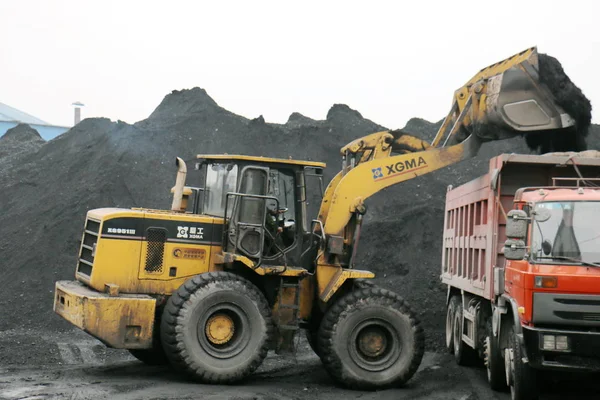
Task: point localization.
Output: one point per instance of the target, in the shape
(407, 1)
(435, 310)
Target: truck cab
(555, 277)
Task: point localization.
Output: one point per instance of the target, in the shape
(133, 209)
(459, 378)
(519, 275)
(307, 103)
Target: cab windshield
(221, 178)
(570, 235)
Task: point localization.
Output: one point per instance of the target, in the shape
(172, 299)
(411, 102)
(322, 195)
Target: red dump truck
(521, 259)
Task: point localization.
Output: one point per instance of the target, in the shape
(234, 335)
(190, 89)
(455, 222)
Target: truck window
(252, 209)
(571, 231)
(221, 179)
(282, 186)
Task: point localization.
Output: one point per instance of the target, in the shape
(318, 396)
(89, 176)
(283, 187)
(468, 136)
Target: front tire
(217, 327)
(494, 363)
(521, 377)
(370, 339)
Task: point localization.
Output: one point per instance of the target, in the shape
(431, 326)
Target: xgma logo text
(399, 167)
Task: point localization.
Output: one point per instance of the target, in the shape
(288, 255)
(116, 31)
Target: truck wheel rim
(457, 331)
(374, 345)
(223, 331)
(449, 333)
(509, 366)
(488, 357)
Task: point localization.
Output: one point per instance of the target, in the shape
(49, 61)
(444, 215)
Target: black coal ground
(99, 163)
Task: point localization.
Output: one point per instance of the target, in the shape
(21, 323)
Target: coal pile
(20, 139)
(101, 163)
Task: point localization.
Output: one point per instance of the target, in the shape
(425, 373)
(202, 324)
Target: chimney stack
(77, 106)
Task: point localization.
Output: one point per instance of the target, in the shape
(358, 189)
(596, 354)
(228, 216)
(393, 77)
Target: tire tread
(342, 307)
(170, 328)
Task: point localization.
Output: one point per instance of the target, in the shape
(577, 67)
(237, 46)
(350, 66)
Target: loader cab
(266, 204)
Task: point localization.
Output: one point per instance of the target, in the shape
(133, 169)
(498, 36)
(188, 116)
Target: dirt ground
(73, 365)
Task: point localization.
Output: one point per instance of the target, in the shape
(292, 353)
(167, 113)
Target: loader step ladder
(293, 283)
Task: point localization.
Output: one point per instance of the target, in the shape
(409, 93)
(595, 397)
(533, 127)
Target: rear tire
(523, 379)
(463, 354)
(370, 339)
(217, 327)
(452, 306)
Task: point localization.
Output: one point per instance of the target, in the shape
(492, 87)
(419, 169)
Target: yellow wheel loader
(236, 267)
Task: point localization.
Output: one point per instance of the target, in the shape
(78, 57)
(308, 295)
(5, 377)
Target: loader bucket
(530, 94)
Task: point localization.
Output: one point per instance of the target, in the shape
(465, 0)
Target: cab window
(221, 178)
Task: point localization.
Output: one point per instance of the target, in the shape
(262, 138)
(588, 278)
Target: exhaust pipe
(179, 185)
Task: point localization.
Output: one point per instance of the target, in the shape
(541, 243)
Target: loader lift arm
(501, 101)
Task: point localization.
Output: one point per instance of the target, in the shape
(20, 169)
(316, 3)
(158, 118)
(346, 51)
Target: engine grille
(156, 238)
(578, 316)
(91, 233)
(555, 309)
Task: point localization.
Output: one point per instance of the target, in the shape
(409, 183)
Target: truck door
(246, 227)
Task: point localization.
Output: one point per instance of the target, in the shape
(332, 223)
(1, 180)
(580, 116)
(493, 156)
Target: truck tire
(463, 354)
(494, 363)
(370, 339)
(453, 304)
(217, 328)
(522, 378)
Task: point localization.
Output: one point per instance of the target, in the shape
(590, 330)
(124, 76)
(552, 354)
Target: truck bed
(474, 222)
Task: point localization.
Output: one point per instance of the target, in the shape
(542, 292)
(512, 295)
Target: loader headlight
(555, 343)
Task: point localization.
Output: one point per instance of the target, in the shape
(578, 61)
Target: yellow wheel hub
(219, 329)
(372, 343)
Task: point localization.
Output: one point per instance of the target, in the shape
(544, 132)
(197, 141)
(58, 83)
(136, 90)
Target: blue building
(11, 117)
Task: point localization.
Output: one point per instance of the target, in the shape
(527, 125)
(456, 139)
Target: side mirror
(516, 224)
(514, 249)
(542, 215)
(546, 247)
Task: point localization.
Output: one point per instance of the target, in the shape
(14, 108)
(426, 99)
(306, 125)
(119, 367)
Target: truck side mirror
(514, 249)
(516, 224)
(542, 215)
(546, 247)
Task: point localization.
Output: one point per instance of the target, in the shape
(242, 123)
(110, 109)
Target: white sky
(390, 60)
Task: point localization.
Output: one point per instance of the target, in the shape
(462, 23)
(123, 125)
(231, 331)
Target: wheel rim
(449, 332)
(374, 345)
(487, 358)
(457, 331)
(222, 330)
(509, 366)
